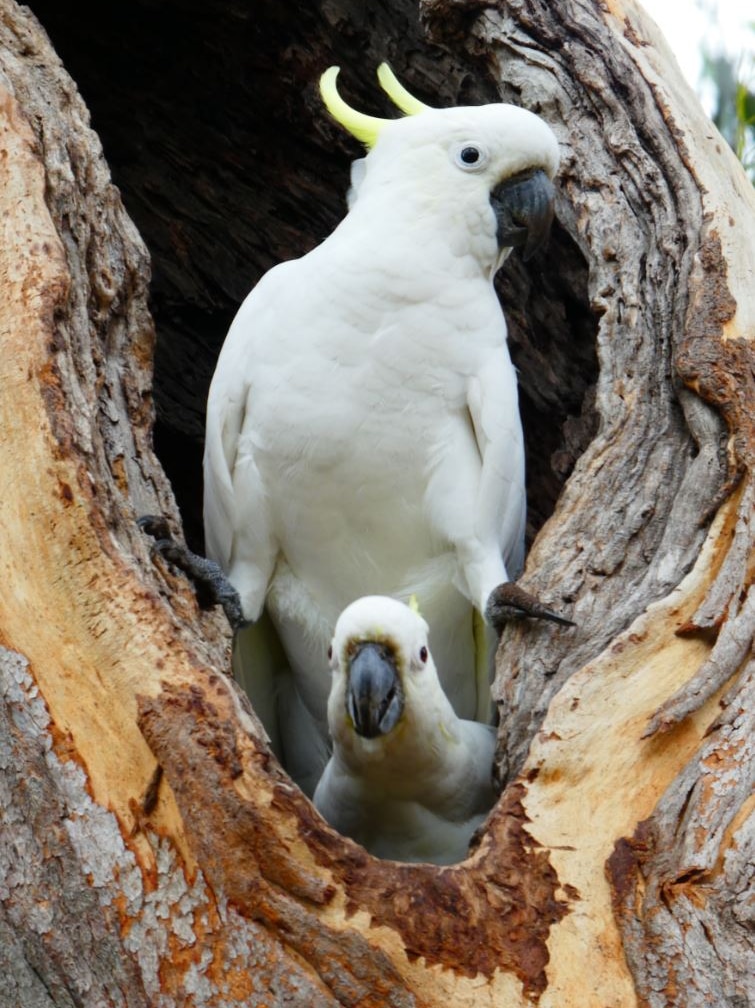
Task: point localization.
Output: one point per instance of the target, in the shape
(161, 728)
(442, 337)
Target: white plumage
(363, 434)
(412, 781)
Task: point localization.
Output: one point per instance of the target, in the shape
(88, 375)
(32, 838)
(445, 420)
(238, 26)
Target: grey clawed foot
(209, 580)
(508, 601)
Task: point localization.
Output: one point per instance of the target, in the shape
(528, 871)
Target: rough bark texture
(151, 850)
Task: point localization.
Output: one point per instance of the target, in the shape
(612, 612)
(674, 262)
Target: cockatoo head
(496, 157)
(380, 663)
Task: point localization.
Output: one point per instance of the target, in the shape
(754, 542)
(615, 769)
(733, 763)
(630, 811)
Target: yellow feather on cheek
(447, 734)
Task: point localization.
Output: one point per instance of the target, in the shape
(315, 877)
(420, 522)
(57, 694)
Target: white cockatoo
(363, 434)
(408, 779)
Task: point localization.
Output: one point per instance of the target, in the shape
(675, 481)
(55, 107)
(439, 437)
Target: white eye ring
(470, 156)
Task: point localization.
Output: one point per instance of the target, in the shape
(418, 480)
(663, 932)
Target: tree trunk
(151, 849)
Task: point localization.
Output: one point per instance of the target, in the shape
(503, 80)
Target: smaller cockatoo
(407, 779)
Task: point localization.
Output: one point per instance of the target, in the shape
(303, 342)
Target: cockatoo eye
(470, 157)
(423, 654)
(330, 652)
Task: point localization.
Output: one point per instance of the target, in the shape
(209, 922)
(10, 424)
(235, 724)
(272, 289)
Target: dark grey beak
(374, 698)
(523, 208)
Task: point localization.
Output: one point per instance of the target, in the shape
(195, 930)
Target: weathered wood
(85, 917)
(151, 850)
(683, 882)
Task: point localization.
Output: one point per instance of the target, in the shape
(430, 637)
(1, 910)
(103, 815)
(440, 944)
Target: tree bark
(151, 849)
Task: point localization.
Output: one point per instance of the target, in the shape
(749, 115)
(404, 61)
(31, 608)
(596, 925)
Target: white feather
(419, 792)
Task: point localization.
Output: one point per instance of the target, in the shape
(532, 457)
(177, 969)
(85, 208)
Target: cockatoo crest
(365, 127)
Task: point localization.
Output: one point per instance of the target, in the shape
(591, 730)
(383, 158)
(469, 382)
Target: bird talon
(211, 585)
(155, 525)
(169, 550)
(508, 601)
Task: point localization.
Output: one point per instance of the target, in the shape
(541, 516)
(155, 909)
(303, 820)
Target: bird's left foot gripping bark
(211, 584)
(508, 601)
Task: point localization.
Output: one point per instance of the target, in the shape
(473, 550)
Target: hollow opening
(214, 133)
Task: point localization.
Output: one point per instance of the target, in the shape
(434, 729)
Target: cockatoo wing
(224, 421)
(238, 522)
(501, 503)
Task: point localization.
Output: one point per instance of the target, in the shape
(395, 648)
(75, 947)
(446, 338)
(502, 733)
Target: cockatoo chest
(351, 426)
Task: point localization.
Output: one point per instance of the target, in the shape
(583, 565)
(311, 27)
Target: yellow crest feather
(414, 605)
(398, 93)
(365, 128)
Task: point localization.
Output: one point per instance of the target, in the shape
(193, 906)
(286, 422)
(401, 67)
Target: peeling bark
(683, 883)
(84, 919)
(152, 851)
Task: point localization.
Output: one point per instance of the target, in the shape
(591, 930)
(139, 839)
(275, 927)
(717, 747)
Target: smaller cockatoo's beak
(374, 696)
